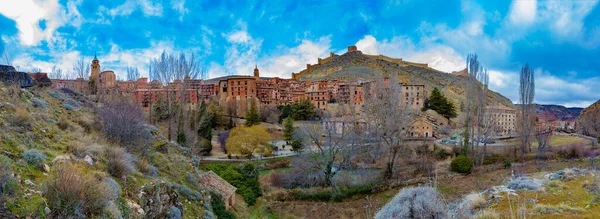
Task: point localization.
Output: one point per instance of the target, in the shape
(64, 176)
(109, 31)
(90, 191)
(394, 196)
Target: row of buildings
(239, 90)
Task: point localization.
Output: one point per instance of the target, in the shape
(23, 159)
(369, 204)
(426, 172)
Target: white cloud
(295, 59)
(440, 57)
(549, 89)
(239, 37)
(243, 54)
(368, 44)
(523, 12)
(179, 6)
(147, 7)
(28, 14)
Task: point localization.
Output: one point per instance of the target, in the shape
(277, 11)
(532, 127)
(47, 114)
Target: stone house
(213, 181)
(421, 128)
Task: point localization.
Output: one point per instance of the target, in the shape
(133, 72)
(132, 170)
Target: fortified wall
(310, 67)
(398, 61)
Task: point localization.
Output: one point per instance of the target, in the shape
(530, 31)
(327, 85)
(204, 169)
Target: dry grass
(557, 209)
(476, 201)
(119, 163)
(557, 140)
(571, 202)
(21, 117)
(70, 192)
(487, 214)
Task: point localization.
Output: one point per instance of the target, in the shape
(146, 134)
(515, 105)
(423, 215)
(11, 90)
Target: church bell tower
(95, 68)
(256, 73)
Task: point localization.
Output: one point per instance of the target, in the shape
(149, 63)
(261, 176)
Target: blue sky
(559, 39)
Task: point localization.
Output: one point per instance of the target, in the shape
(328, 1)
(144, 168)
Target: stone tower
(256, 73)
(95, 68)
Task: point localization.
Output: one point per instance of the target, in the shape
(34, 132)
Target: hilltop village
(239, 92)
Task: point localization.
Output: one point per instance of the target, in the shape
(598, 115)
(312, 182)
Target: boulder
(9, 75)
(46, 168)
(160, 200)
(61, 158)
(135, 208)
(88, 160)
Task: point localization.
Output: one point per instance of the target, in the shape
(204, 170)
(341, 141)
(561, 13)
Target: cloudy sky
(559, 39)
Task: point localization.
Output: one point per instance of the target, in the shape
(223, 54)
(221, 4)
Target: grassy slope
(46, 137)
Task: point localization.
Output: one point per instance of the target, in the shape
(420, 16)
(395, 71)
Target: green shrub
(493, 158)
(68, 106)
(39, 103)
(181, 139)
(34, 157)
(186, 192)
(461, 164)
(8, 184)
(204, 147)
(442, 154)
(507, 164)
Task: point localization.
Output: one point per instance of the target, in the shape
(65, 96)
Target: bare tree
(36, 69)
(543, 136)
(328, 146)
(81, 68)
(489, 127)
(474, 109)
(4, 53)
(269, 113)
(168, 68)
(389, 120)
(122, 122)
(527, 121)
(132, 73)
(56, 73)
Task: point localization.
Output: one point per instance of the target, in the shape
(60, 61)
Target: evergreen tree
(252, 118)
(297, 145)
(439, 103)
(288, 131)
(181, 139)
(303, 110)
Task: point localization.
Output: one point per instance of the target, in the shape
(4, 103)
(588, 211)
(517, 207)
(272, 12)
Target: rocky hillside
(588, 122)
(56, 161)
(556, 112)
(356, 65)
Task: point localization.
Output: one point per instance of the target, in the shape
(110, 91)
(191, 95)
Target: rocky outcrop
(160, 201)
(9, 75)
(41, 79)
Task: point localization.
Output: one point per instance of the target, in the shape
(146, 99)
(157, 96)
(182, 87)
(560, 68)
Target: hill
(557, 112)
(551, 113)
(588, 121)
(355, 65)
(57, 161)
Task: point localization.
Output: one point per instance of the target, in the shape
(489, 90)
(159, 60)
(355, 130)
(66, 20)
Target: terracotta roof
(213, 181)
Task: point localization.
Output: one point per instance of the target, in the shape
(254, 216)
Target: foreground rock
(8, 74)
(160, 201)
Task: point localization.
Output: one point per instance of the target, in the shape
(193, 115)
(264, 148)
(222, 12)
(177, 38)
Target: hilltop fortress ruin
(322, 61)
